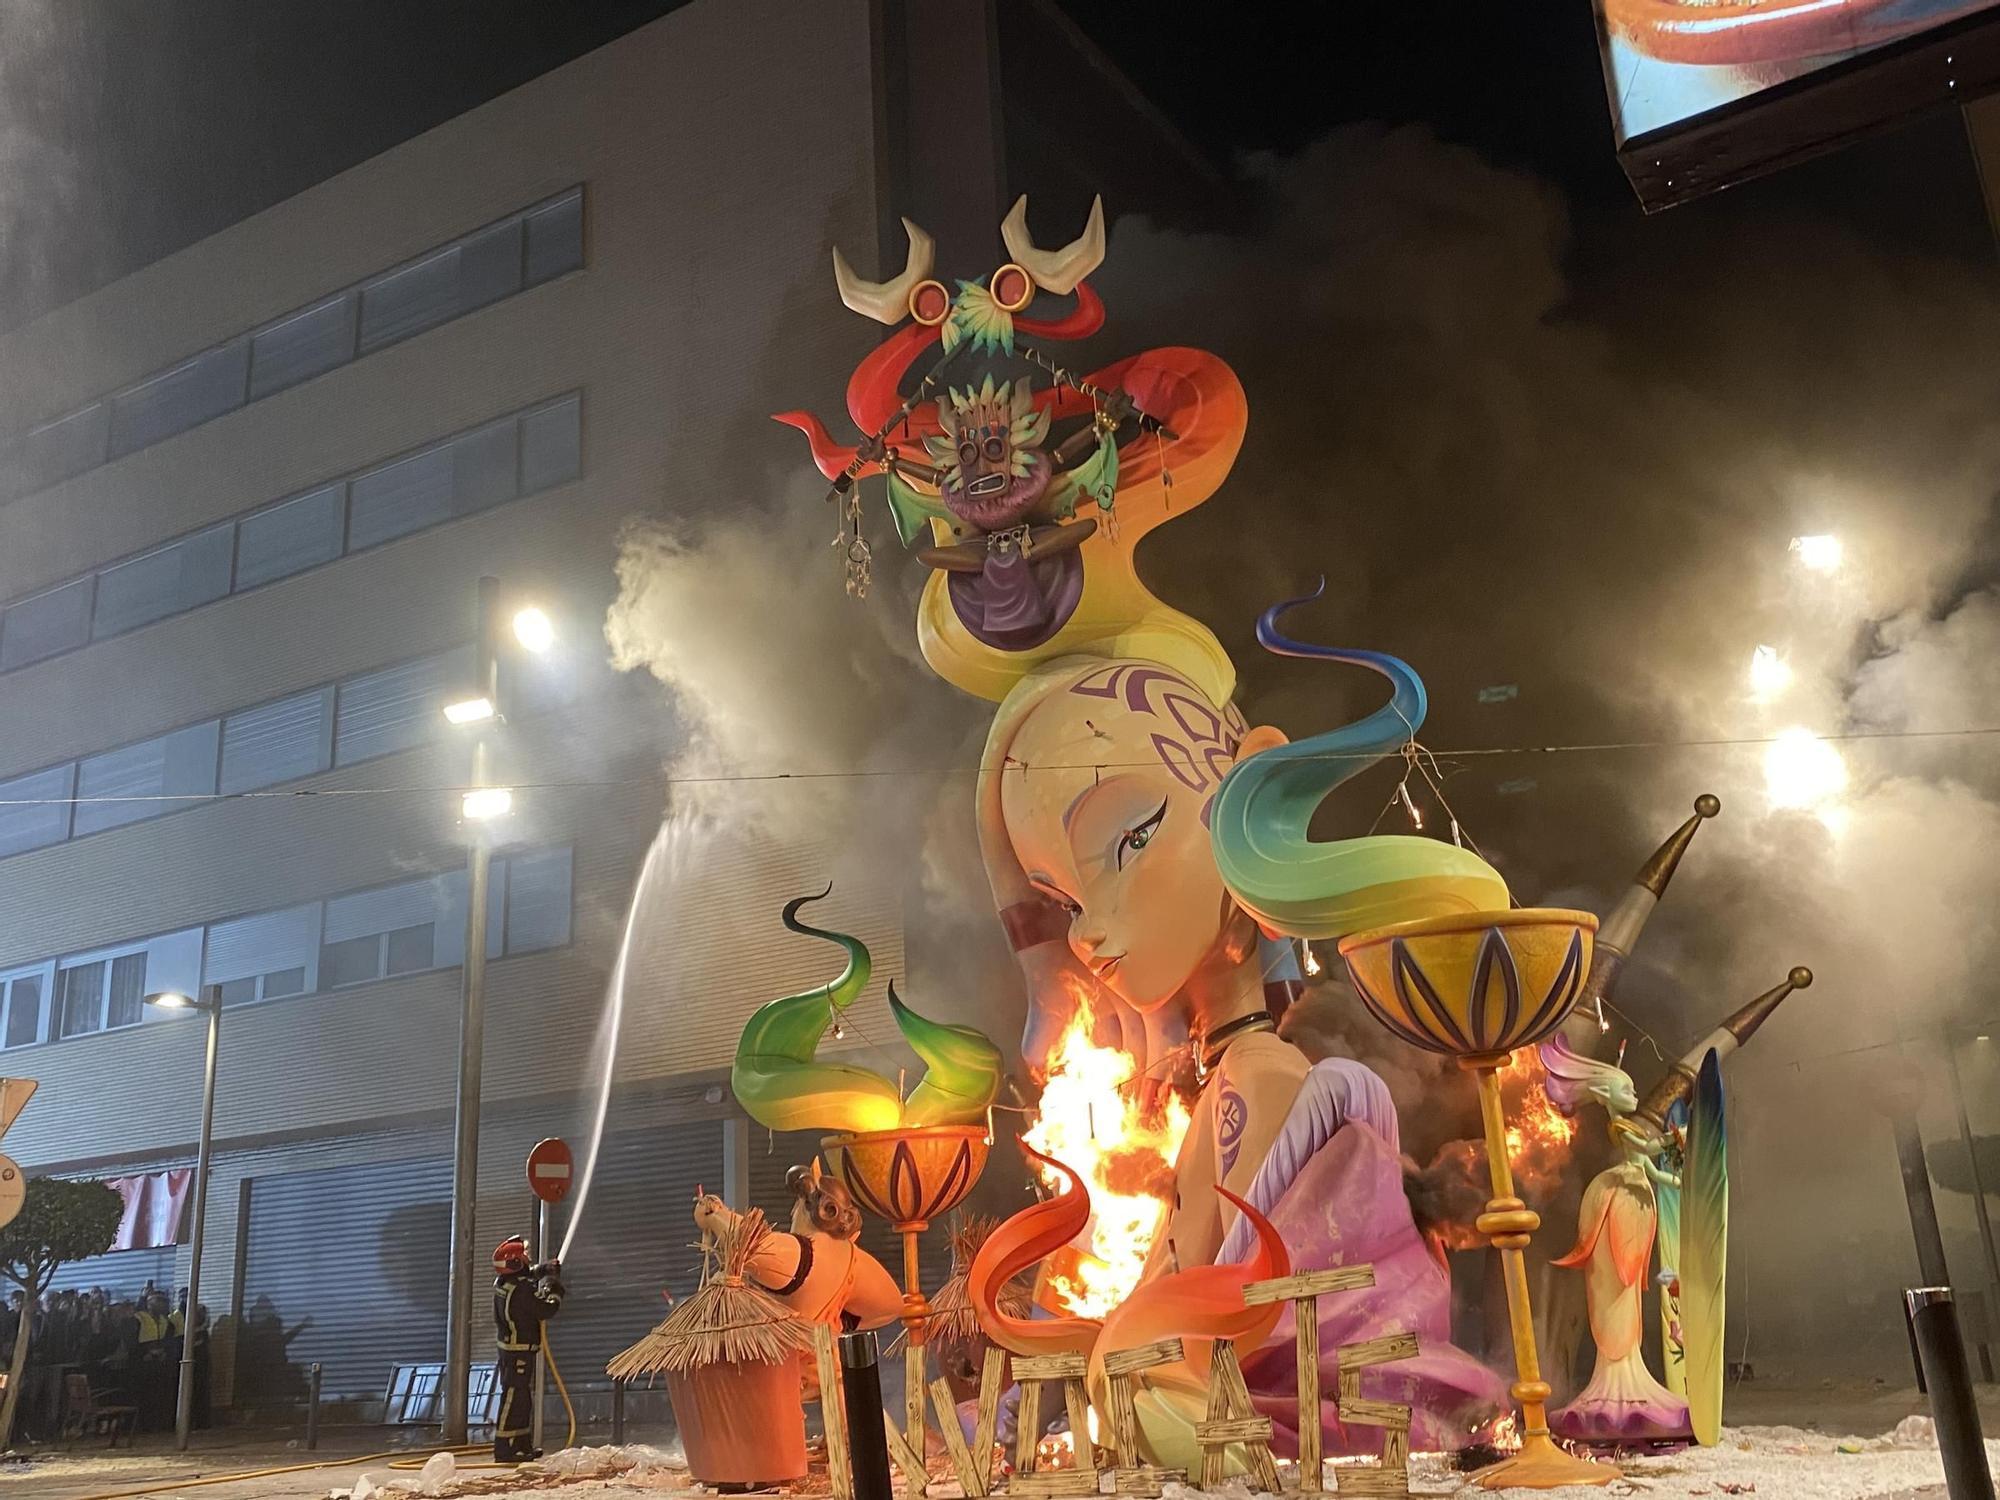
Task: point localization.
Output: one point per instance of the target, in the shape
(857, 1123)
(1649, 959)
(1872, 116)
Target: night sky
(132, 128)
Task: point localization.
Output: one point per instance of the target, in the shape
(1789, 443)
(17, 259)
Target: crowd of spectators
(128, 1349)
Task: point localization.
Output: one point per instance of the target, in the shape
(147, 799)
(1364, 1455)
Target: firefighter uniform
(523, 1300)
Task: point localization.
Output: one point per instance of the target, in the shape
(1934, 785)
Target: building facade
(245, 499)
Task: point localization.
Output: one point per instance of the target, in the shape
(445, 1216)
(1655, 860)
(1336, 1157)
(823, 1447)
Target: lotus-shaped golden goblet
(910, 1177)
(1476, 987)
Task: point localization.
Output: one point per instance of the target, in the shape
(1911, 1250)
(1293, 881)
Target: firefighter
(524, 1298)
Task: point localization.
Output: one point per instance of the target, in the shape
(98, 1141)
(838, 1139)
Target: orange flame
(1539, 1136)
(1507, 1434)
(1093, 1119)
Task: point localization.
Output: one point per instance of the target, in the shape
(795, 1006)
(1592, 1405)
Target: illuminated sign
(1704, 93)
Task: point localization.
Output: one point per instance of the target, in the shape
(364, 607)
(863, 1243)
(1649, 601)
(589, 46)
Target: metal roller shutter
(636, 1241)
(344, 1266)
(123, 1273)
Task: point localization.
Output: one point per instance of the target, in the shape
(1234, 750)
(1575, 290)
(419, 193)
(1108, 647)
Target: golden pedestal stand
(910, 1177)
(1475, 987)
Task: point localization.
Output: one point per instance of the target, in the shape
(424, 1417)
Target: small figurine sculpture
(524, 1298)
(818, 1270)
(1616, 1225)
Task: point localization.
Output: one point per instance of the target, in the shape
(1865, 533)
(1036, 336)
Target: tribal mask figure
(992, 472)
(977, 492)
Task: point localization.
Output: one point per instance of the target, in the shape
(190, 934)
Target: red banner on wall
(153, 1207)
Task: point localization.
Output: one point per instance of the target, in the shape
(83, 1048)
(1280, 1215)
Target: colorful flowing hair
(1300, 887)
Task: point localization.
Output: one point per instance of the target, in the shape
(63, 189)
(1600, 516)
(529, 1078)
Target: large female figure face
(1105, 796)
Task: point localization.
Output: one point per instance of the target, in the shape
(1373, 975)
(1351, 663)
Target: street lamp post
(211, 1003)
(471, 1045)
(533, 632)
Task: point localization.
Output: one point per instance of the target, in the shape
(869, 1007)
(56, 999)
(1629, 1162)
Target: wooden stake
(1132, 1476)
(916, 1478)
(989, 1406)
(840, 1472)
(1305, 1320)
(1232, 1420)
(913, 1389)
(1027, 1423)
(972, 1476)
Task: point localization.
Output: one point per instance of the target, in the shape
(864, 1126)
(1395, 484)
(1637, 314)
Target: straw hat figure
(732, 1355)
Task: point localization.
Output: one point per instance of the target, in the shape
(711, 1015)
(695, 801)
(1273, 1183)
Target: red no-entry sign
(550, 1168)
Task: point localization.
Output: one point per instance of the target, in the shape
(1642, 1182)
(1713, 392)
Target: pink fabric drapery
(154, 1202)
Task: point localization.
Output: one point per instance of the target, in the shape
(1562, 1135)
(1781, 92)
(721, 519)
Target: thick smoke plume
(1567, 498)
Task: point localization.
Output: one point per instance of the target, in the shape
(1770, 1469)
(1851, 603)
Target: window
(265, 956)
(520, 454)
(301, 346)
(80, 998)
(190, 572)
(206, 386)
(412, 927)
(484, 467)
(551, 445)
(144, 779)
(538, 900)
(33, 809)
(479, 269)
(46, 624)
(398, 708)
(413, 949)
(291, 536)
(21, 995)
(390, 930)
(278, 742)
(496, 261)
(56, 450)
(350, 961)
(555, 237)
(107, 991)
(126, 1006)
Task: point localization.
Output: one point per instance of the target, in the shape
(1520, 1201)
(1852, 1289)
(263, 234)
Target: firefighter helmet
(511, 1254)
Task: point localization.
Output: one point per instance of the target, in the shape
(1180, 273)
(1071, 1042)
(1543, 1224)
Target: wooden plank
(1226, 1430)
(971, 1475)
(1385, 1350)
(1350, 1384)
(916, 1478)
(840, 1472)
(1213, 1459)
(1057, 1484)
(1396, 1448)
(1309, 1284)
(1144, 1479)
(1124, 1423)
(1228, 1372)
(1369, 1413)
(989, 1407)
(1305, 1327)
(1145, 1357)
(1027, 1424)
(913, 1392)
(1051, 1367)
(1362, 1479)
(1079, 1425)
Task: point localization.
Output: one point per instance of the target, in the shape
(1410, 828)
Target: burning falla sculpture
(1128, 888)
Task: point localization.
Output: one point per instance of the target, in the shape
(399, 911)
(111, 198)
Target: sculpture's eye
(968, 452)
(996, 449)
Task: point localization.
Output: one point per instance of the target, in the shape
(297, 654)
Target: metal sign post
(551, 1168)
